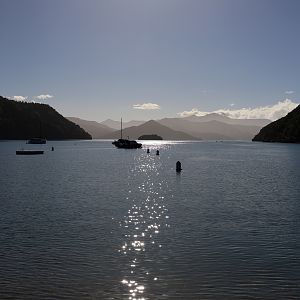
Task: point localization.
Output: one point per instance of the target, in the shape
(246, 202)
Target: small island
(150, 137)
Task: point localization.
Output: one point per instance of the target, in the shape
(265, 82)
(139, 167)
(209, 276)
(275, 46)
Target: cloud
(289, 92)
(146, 106)
(25, 98)
(18, 98)
(271, 112)
(192, 112)
(43, 97)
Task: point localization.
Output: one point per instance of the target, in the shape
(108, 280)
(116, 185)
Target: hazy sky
(100, 58)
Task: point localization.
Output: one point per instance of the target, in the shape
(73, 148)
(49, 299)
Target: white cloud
(18, 98)
(25, 98)
(289, 92)
(271, 112)
(145, 106)
(44, 97)
(192, 112)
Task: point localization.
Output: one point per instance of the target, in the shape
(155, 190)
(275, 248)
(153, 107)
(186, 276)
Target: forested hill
(24, 120)
(284, 130)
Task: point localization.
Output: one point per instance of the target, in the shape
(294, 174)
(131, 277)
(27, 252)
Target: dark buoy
(52, 148)
(148, 151)
(178, 166)
(157, 152)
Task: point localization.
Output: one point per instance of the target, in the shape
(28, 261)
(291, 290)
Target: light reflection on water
(142, 224)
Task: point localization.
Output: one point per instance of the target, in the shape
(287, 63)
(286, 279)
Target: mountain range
(95, 129)
(23, 120)
(151, 127)
(212, 127)
(224, 119)
(117, 124)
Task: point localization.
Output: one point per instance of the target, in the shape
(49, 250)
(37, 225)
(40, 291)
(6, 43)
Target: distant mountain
(212, 129)
(149, 128)
(111, 124)
(207, 118)
(95, 129)
(117, 124)
(224, 119)
(22, 120)
(284, 130)
(211, 126)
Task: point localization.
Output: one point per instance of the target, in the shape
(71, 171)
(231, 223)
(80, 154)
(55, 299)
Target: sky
(148, 59)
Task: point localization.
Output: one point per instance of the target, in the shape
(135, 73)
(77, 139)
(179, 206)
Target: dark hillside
(23, 120)
(284, 130)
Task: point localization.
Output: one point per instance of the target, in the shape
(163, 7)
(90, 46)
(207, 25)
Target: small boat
(126, 143)
(29, 152)
(37, 141)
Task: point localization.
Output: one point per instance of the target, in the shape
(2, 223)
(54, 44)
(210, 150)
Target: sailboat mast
(121, 129)
(40, 128)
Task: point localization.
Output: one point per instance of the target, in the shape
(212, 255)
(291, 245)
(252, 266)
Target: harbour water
(89, 221)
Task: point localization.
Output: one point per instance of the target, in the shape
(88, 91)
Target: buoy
(148, 151)
(178, 166)
(157, 152)
(52, 148)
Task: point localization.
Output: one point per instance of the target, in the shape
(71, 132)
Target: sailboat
(38, 140)
(126, 143)
(29, 152)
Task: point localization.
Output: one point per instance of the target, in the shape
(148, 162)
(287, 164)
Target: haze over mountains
(224, 119)
(95, 129)
(117, 124)
(212, 127)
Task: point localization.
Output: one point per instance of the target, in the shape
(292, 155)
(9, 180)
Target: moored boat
(37, 141)
(126, 143)
(29, 152)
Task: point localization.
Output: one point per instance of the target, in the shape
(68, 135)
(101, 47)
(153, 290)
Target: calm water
(89, 221)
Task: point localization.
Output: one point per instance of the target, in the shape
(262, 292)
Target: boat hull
(37, 141)
(127, 144)
(29, 152)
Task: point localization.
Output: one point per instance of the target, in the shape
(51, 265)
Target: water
(89, 221)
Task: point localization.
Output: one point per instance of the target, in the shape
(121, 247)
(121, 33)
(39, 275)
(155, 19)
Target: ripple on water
(87, 221)
(141, 227)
